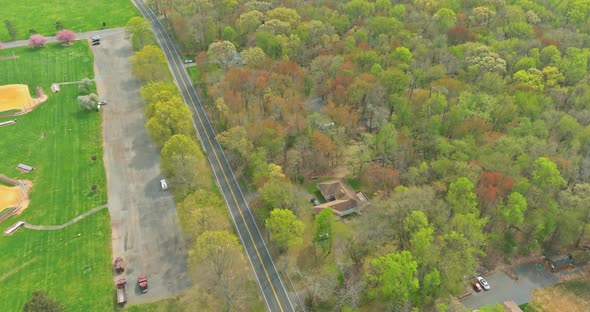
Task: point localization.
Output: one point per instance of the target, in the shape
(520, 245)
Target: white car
(163, 184)
(482, 281)
(95, 38)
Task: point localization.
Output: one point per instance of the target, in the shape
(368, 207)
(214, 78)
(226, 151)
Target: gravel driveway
(144, 222)
(503, 288)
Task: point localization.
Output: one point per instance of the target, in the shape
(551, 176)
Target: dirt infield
(14, 196)
(17, 97)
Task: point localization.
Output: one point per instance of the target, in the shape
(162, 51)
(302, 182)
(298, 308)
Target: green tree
(445, 18)
(200, 212)
(183, 161)
(140, 31)
(269, 43)
(461, 197)
(219, 249)
(513, 211)
(574, 65)
(578, 11)
(222, 52)
(149, 65)
(229, 34)
(359, 8)
(236, 140)
(254, 57)
(151, 92)
(531, 78)
(285, 228)
(458, 258)
(323, 229)
(249, 21)
(385, 144)
(546, 176)
(413, 224)
(40, 302)
(168, 118)
(222, 253)
(520, 30)
(392, 279)
(286, 15)
(88, 102)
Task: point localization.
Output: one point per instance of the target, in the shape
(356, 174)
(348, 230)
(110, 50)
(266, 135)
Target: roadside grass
(195, 74)
(72, 265)
(76, 15)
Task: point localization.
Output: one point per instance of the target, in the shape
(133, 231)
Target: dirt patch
(557, 299)
(14, 196)
(17, 97)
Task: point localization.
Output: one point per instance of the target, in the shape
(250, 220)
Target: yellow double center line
(192, 102)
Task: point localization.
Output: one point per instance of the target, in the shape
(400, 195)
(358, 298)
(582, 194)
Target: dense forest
(467, 123)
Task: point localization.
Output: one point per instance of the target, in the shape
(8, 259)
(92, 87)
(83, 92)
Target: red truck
(143, 283)
(121, 291)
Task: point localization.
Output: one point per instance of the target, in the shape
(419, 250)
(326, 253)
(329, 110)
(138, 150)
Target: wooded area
(466, 122)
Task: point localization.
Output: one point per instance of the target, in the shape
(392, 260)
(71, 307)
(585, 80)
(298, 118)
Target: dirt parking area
(145, 228)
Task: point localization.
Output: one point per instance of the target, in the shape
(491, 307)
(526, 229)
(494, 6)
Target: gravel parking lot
(503, 288)
(144, 221)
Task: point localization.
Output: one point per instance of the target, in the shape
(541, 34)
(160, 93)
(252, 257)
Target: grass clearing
(72, 265)
(571, 296)
(76, 15)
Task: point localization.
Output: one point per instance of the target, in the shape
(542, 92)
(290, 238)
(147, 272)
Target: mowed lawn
(76, 15)
(72, 265)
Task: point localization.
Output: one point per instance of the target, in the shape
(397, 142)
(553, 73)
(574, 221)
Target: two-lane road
(271, 285)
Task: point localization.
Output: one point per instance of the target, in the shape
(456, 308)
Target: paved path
(84, 35)
(503, 288)
(59, 227)
(273, 289)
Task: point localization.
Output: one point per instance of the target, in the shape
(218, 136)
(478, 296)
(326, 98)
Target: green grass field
(42, 15)
(72, 265)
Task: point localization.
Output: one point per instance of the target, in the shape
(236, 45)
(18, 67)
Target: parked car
(475, 285)
(163, 184)
(187, 61)
(482, 281)
(314, 201)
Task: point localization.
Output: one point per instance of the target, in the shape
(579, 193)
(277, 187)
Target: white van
(163, 184)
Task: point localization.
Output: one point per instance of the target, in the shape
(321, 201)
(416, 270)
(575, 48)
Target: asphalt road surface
(145, 231)
(271, 285)
(503, 288)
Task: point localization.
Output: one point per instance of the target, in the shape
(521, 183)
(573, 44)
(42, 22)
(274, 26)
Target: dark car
(476, 286)
(314, 201)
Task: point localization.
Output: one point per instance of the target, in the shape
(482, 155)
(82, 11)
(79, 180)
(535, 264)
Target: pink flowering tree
(36, 41)
(66, 36)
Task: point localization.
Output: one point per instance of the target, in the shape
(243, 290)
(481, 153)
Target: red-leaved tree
(492, 186)
(36, 41)
(66, 36)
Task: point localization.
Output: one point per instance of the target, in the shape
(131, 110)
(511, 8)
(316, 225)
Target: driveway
(145, 230)
(503, 288)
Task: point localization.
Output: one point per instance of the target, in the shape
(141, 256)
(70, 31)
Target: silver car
(484, 284)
